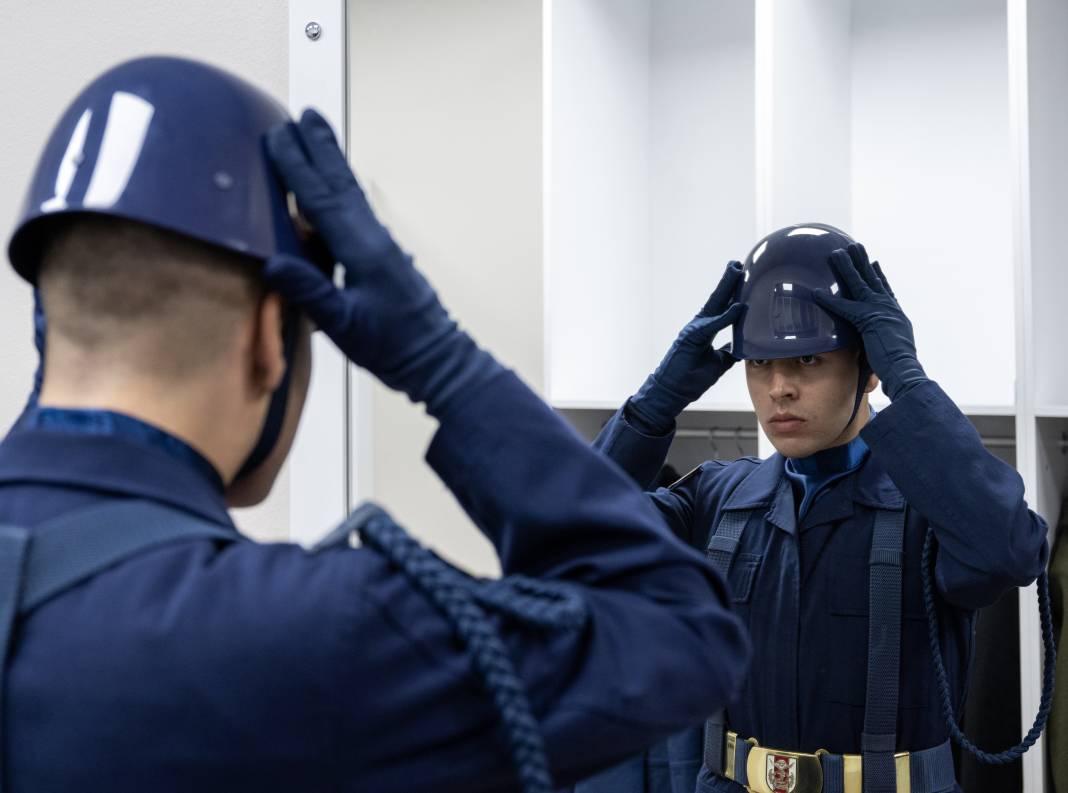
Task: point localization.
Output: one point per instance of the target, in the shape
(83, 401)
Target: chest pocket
(740, 569)
(741, 576)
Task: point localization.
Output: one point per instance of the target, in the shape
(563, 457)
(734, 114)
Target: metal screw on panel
(313, 30)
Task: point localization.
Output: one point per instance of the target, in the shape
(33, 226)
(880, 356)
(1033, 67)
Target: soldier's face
(804, 404)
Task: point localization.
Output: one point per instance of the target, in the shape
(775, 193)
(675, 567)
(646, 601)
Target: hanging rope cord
(1046, 702)
(473, 608)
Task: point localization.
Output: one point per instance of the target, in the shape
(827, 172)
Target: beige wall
(445, 131)
(48, 50)
(445, 127)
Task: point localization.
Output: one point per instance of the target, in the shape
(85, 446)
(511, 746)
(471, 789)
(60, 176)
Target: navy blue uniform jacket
(802, 587)
(203, 666)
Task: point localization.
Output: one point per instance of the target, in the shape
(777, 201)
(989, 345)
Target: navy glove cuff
(445, 373)
(905, 377)
(652, 411)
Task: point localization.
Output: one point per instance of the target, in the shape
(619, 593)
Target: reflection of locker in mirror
(646, 142)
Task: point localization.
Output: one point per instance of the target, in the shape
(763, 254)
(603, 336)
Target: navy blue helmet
(169, 142)
(177, 145)
(781, 320)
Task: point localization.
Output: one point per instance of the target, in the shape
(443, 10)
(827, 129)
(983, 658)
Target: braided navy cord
(465, 601)
(1046, 703)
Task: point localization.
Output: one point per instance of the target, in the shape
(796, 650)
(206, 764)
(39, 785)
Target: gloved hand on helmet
(387, 318)
(875, 313)
(691, 365)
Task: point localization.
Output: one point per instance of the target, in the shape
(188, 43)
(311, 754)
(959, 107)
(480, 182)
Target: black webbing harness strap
(62, 553)
(879, 739)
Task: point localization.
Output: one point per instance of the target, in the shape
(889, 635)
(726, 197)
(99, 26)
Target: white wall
(597, 266)
(445, 133)
(810, 113)
(48, 50)
(651, 184)
(702, 196)
(931, 181)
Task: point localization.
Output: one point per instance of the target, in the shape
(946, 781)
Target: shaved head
(124, 294)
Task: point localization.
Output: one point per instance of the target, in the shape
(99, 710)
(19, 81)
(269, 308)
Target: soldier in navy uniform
(148, 646)
(822, 542)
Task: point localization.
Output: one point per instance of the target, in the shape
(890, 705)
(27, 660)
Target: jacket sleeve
(640, 455)
(659, 652)
(988, 539)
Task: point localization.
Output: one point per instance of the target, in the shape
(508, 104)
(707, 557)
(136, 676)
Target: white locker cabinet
(650, 184)
(680, 131)
(575, 174)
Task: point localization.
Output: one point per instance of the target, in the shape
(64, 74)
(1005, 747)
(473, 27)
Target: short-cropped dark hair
(114, 288)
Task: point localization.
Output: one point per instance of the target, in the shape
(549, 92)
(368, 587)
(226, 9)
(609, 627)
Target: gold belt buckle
(776, 771)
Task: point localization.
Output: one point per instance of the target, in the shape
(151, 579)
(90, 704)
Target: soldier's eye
(809, 360)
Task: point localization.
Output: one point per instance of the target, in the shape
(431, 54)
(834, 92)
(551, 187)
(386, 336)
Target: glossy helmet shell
(169, 142)
(781, 320)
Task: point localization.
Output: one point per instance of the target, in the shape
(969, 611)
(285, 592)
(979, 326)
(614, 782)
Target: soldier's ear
(268, 360)
(872, 384)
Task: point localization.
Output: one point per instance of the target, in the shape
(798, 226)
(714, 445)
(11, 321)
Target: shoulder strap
(72, 548)
(724, 542)
(722, 548)
(14, 547)
(879, 739)
(76, 546)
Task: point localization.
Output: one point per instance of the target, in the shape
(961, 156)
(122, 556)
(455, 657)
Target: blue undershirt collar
(88, 421)
(812, 475)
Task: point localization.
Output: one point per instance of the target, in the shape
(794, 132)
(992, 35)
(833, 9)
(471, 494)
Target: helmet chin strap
(276, 411)
(862, 381)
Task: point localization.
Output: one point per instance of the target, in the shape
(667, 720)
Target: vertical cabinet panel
(809, 52)
(1048, 134)
(318, 464)
(1045, 322)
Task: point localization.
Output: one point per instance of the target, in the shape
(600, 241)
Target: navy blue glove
(387, 318)
(875, 313)
(691, 365)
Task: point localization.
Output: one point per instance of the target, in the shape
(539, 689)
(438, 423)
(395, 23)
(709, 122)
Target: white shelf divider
(320, 472)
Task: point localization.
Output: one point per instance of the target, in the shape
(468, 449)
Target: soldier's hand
(692, 365)
(878, 318)
(387, 315)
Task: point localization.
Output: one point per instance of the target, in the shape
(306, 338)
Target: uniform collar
(112, 464)
(812, 476)
(94, 421)
(767, 486)
(829, 462)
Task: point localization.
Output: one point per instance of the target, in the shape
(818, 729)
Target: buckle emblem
(781, 773)
(778, 771)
